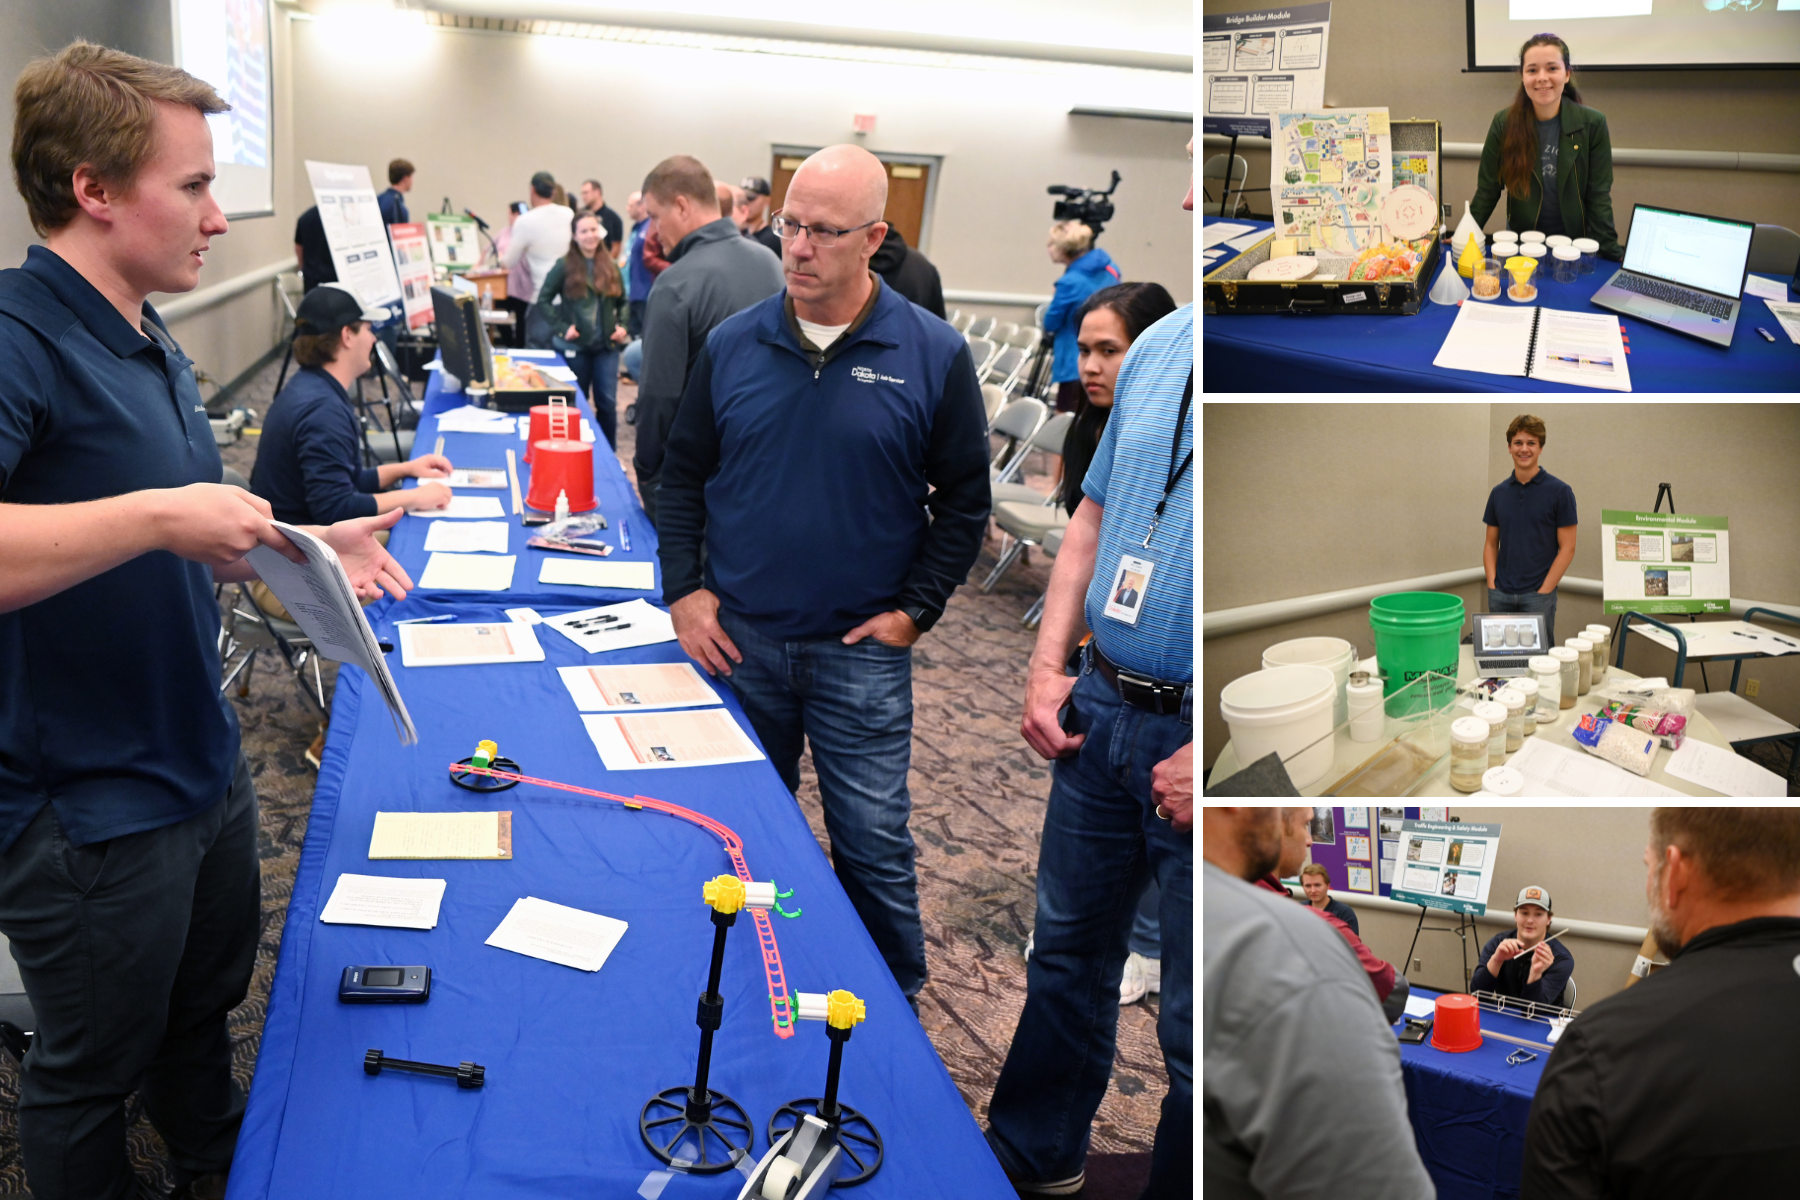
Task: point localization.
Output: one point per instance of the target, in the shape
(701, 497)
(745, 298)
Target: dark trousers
(133, 951)
(647, 482)
(597, 375)
(634, 317)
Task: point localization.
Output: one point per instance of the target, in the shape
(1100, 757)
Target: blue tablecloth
(1469, 1110)
(611, 489)
(571, 1057)
(1280, 353)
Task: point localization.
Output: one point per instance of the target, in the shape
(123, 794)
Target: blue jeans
(1102, 841)
(1527, 602)
(633, 360)
(854, 705)
(597, 375)
(1146, 928)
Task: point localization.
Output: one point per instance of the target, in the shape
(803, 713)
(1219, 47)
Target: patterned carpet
(978, 800)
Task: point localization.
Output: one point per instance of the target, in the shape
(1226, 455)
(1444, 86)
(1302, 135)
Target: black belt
(1142, 692)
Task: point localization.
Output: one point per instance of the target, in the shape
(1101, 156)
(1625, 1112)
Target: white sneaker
(1142, 976)
(1030, 941)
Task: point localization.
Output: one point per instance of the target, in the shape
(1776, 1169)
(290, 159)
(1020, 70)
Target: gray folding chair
(981, 353)
(1053, 540)
(963, 321)
(1229, 200)
(993, 399)
(982, 326)
(1005, 366)
(1027, 525)
(1016, 423)
(1774, 250)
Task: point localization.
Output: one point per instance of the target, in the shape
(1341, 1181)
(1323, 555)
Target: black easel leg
(1415, 941)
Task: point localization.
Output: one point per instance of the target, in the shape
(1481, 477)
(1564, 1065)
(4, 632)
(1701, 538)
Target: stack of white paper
(637, 686)
(466, 507)
(1724, 771)
(625, 576)
(1552, 770)
(472, 419)
(381, 900)
(478, 477)
(615, 626)
(658, 741)
(467, 537)
(468, 572)
(559, 934)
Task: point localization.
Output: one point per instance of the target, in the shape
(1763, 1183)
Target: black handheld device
(1415, 1031)
(385, 985)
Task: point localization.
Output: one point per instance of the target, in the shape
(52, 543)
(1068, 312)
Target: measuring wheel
(709, 1136)
(856, 1134)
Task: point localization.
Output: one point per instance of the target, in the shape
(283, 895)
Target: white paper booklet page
(635, 687)
(625, 576)
(1559, 771)
(1583, 349)
(383, 900)
(466, 645)
(559, 934)
(481, 537)
(466, 507)
(1724, 771)
(657, 741)
(468, 572)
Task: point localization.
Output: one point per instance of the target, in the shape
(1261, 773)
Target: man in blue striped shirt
(1120, 812)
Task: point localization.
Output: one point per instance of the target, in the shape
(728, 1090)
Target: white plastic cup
(1285, 711)
(1334, 654)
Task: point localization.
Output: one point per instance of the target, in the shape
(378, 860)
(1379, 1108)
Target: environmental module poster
(1446, 864)
(1256, 64)
(356, 233)
(1664, 562)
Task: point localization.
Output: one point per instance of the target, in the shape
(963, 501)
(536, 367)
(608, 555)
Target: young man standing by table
(1520, 962)
(1530, 521)
(128, 830)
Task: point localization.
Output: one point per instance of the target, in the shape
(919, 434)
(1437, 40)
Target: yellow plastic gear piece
(843, 1010)
(725, 893)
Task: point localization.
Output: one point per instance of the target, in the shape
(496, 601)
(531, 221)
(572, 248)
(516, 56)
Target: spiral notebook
(1583, 349)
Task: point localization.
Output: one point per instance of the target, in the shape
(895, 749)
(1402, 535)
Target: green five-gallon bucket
(1416, 632)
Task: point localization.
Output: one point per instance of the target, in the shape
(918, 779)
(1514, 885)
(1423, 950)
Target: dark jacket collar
(855, 327)
(321, 376)
(776, 325)
(85, 303)
(1763, 929)
(715, 231)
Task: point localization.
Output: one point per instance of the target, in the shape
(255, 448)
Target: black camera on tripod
(1090, 206)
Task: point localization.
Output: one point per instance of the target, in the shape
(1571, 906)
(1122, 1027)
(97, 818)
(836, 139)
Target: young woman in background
(584, 289)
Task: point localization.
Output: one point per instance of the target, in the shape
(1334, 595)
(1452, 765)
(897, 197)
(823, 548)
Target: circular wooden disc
(1408, 212)
(1298, 266)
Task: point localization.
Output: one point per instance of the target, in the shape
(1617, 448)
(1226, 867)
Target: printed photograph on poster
(1324, 831)
(1361, 879)
(1356, 846)
(1390, 827)
(1434, 814)
(1356, 818)
(1467, 854)
(1425, 850)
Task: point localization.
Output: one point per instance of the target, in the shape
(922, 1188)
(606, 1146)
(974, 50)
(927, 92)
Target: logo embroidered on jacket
(865, 375)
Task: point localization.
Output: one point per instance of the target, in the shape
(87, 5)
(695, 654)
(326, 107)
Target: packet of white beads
(1618, 744)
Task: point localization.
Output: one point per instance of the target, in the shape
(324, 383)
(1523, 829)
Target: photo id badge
(1130, 582)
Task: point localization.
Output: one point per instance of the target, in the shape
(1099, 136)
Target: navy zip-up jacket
(309, 459)
(829, 487)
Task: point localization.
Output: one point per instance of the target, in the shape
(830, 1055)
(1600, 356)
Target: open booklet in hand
(318, 595)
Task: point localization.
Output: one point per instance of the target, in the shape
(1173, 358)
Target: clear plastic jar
(1590, 254)
(1569, 675)
(1514, 703)
(1558, 239)
(1567, 265)
(1548, 673)
(1468, 753)
(1528, 688)
(1601, 636)
(1494, 713)
(1531, 235)
(1584, 656)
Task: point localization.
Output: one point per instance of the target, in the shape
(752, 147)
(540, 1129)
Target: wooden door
(907, 187)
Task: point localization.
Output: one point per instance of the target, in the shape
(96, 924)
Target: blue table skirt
(571, 1057)
(617, 500)
(1278, 353)
(1469, 1111)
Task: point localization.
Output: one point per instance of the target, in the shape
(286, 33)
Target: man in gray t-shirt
(1290, 1029)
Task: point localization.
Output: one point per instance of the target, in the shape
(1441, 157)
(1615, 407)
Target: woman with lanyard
(1552, 155)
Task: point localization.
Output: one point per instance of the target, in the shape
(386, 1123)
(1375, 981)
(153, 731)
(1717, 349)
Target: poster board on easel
(1362, 847)
(357, 235)
(1447, 865)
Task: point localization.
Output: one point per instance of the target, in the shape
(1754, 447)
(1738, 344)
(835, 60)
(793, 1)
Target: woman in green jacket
(584, 296)
(1548, 137)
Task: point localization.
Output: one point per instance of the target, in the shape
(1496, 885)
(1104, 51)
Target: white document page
(1768, 289)
(467, 507)
(380, 900)
(1212, 235)
(318, 595)
(635, 576)
(1559, 771)
(1489, 338)
(1788, 315)
(551, 355)
(1585, 349)
(1419, 1006)
(1241, 244)
(487, 537)
(472, 419)
(558, 934)
(468, 572)
(1724, 771)
(637, 686)
(656, 741)
(615, 626)
(478, 477)
(414, 835)
(467, 645)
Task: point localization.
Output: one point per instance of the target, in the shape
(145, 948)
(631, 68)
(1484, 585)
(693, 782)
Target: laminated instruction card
(654, 741)
(1448, 865)
(414, 835)
(559, 934)
(1664, 562)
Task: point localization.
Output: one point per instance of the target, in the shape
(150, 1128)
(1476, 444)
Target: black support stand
(1465, 925)
(856, 1134)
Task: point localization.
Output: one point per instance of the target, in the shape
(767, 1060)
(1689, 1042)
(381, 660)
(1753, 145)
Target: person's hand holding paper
(370, 567)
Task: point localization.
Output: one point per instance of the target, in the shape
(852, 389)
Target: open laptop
(1682, 270)
(1505, 642)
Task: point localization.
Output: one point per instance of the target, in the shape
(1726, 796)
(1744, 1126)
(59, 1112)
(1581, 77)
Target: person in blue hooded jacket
(1089, 269)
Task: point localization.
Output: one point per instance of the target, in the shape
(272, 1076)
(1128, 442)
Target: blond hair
(90, 106)
(1071, 239)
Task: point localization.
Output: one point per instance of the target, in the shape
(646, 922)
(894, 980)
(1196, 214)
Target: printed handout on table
(468, 572)
(434, 645)
(1788, 316)
(415, 835)
(485, 537)
(472, 418)
(386, 901)
(1552, 771)
(1219, 231)
(559, 934)
(466, 508)
(1723, 771)
(477, 477)
(1768, 289)
(658, 741)
(615, 626)
(623, 576)
(636, 687)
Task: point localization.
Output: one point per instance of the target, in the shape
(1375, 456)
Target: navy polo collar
(83, 299)
(330, 381)
(1513, 478)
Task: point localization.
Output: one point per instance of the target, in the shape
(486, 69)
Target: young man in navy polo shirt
(128, 828)
(1530, 522)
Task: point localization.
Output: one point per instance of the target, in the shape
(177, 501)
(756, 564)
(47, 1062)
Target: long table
(570, 1056)
(1349, 353)
(1469, 1110)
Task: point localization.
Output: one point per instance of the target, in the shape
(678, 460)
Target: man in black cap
(755, 218)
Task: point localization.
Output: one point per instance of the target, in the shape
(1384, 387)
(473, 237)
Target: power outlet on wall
(1417, 966)
(1752, 687)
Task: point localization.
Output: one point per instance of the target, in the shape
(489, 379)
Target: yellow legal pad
(442, 835)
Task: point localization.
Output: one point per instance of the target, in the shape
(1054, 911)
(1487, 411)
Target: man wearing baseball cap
(1521, 963)
(756, 213)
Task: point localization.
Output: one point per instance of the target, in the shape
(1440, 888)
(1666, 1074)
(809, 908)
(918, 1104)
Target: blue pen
(426, 620)
(624, 535)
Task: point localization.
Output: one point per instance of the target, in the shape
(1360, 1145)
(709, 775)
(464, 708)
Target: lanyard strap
(1175, 471)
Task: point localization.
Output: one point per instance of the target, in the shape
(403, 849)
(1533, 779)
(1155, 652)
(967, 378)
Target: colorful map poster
(1329, 172)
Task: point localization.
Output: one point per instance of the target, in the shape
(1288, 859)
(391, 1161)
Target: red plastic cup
(540, 426)
(1457, 1027)
(564, 465)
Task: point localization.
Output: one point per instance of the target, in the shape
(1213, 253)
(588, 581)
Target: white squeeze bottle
(562, 506)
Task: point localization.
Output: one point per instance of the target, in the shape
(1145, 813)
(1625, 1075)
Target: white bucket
(1334, 654)
(1284, 710)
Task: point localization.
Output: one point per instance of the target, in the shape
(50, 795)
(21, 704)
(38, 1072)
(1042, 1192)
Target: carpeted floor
(978, 800)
